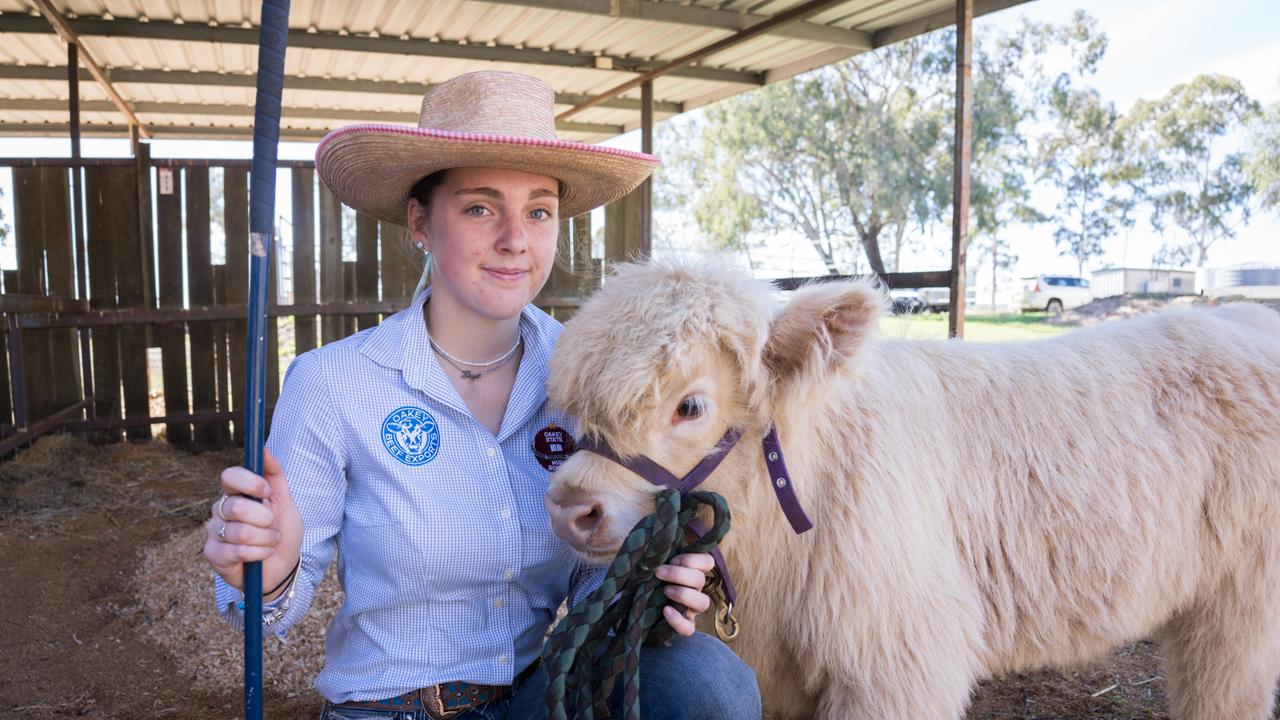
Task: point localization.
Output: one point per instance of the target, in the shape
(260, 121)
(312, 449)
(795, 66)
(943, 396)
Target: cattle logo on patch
(553, 445)
(411, 435)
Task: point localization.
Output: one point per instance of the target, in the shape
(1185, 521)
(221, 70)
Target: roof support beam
(292, 82)
(70, 37)
(936, 21)
(683, 14)
(795, 14)
(328, 40)
(173, 108)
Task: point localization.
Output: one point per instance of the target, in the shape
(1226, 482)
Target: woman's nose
(515, 237)
(576, 520)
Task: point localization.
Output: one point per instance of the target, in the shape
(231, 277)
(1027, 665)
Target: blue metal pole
(273, 38)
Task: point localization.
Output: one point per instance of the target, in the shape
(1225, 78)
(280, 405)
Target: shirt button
(508, 573)
(491, 452)
(497, 603)
(506, 513)
(503, 659)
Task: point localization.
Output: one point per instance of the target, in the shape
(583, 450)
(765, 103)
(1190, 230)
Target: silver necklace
(489, 367)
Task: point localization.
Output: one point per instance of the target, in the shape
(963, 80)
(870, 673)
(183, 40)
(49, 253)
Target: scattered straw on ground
(63, 476)
(175, 587)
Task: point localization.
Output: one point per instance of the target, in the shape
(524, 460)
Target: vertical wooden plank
(221, 370)
(235, 204)
(33, 213)
(348, 322)
(304, 257)
(584, 270)
(173, 336)
(112, 193)
(273, 328)
(366, 266)
(204, 392)
(621, 230)
(103, 237)
(6, 397)
(330, 261)
(64, 355)
(391, 251)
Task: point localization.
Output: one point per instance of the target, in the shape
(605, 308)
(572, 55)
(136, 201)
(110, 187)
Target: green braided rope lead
(600, 639)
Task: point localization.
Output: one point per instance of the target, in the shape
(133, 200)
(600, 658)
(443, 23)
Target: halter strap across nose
(658, 475)
(779, 478)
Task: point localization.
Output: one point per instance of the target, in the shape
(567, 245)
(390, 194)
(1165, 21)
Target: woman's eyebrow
(497, 194)
(486, 191)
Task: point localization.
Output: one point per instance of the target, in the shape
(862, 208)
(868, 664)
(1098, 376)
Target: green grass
(977, 328)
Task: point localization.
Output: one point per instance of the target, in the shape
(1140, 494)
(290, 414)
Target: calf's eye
(690, 407)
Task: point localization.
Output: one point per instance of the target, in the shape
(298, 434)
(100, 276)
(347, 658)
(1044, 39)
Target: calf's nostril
(586, 520)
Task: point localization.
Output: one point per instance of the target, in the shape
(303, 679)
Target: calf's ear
(821, 328)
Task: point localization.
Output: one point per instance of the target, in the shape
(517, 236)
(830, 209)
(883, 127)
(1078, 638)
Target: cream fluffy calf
(978, 508)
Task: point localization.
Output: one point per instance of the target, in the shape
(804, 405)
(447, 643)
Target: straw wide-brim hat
(487, 119)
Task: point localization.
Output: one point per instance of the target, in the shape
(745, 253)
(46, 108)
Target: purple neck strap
(783, 488)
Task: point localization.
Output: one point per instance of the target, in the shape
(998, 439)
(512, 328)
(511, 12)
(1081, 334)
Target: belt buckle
(432, 699)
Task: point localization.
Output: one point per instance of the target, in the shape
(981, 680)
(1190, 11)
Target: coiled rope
(601, 636)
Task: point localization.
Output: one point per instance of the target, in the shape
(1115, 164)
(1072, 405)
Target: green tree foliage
(1262, 161)
(1198, 194)
(838, 156)
(860, 153)
(1082, 155)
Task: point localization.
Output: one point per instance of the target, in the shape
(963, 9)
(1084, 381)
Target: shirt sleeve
(306, 440)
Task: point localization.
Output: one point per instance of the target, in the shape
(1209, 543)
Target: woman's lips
(506, 275)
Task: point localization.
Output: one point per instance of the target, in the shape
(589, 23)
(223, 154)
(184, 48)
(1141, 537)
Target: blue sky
(1154, 45)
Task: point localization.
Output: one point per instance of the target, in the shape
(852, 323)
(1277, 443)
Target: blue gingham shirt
(445, 552)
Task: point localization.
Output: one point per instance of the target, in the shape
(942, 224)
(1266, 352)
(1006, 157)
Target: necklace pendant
(468, 375)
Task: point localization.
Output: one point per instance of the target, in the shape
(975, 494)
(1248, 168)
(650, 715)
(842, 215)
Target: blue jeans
(696, 678)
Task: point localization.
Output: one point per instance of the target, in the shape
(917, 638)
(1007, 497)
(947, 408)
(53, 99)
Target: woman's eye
(540, 214)
(690, 407)
(477, 210)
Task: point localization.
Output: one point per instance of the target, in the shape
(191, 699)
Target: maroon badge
(552, 445)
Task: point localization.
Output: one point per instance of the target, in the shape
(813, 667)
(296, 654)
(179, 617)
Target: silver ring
(222, 533)
(223, 517)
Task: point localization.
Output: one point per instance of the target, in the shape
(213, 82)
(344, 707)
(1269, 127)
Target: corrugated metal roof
(187, 67)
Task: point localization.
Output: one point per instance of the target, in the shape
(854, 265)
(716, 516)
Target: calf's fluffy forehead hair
(650, 322)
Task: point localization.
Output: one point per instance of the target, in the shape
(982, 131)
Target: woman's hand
(685, 575)
(242, 530)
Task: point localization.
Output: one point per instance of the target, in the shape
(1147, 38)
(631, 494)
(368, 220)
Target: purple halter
(658, 475)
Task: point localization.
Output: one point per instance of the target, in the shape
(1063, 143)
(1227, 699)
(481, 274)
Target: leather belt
(446, 700)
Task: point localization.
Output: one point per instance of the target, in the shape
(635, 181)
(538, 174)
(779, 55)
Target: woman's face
(492, 238)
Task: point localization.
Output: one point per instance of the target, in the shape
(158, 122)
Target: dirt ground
(106, 610)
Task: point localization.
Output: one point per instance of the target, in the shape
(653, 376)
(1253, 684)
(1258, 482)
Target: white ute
(1054, 293)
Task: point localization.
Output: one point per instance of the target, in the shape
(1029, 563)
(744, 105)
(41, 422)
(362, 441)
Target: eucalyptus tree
(1083, 156)
(839, 156)
(1262, 162)
(1198, 191)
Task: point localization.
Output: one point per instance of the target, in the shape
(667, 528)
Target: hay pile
(175, 589)
(61, 481)
(62, 477)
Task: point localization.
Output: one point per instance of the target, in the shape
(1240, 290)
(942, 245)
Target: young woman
(419, 450)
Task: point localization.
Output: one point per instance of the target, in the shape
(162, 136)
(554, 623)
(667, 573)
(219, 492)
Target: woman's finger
(679, 575)
(241, 534)
(239, 481)
(696, 601)
(698, 561)
(678, 622)
(244, 510)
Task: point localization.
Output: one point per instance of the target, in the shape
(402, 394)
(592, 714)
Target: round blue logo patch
(411, 435)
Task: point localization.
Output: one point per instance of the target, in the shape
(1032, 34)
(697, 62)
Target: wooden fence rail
(164, 312)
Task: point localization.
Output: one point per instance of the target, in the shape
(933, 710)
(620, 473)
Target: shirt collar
(400, 343)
